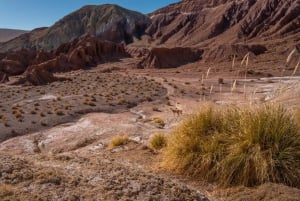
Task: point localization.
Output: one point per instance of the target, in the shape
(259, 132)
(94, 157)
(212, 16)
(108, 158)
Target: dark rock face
(170, 57)
(109, 22)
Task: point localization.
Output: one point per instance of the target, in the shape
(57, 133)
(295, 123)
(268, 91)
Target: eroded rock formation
(38, 66)
(170, 57)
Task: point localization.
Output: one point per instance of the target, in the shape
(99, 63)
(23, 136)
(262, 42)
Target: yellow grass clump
(117, 141)
(248, 146)
(158, 141)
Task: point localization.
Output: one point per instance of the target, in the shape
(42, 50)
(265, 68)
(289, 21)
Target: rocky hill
(224, 28)
(218, 28)
(8, 34)
(202, 22)
(109, 22)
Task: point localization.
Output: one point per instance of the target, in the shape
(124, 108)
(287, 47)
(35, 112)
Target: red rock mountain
(223, 28)
(202, 22)
(178, 34)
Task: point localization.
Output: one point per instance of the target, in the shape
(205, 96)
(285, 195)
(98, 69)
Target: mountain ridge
(108, 21)
(216, 27)
(8, 34)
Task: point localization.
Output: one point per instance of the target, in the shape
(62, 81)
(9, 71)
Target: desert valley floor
(59, 132)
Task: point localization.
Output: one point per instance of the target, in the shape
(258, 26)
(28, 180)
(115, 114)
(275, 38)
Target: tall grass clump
(237, 146)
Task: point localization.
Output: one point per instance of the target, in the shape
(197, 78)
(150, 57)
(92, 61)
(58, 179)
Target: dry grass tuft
(117, 141)
(158, 141)
(237, 146)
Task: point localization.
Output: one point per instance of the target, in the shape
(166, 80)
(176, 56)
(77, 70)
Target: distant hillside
(220, 27)
(203, 22)
(8, 34)
(110, 22)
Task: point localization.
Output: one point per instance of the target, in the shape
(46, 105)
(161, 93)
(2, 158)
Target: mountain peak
(108, 21)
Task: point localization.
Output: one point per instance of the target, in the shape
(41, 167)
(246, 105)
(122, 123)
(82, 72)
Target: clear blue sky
(30, 14)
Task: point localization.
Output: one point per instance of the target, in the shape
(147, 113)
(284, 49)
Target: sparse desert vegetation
(60, 102)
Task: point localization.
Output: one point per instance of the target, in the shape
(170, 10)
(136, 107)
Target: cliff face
(109, 22)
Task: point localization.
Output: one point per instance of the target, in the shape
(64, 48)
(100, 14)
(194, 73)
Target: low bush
(237, 146)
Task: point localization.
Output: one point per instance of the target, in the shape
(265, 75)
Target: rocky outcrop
(38, 75)
(81, 53)
(11, 67)
(170, 57)
(86, 51)
(109, 22)
(16, 63)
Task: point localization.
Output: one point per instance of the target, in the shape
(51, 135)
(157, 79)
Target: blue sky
(30, 14)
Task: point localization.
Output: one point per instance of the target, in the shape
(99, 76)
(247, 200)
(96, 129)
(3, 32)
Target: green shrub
(158, 141)
(247, 146)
